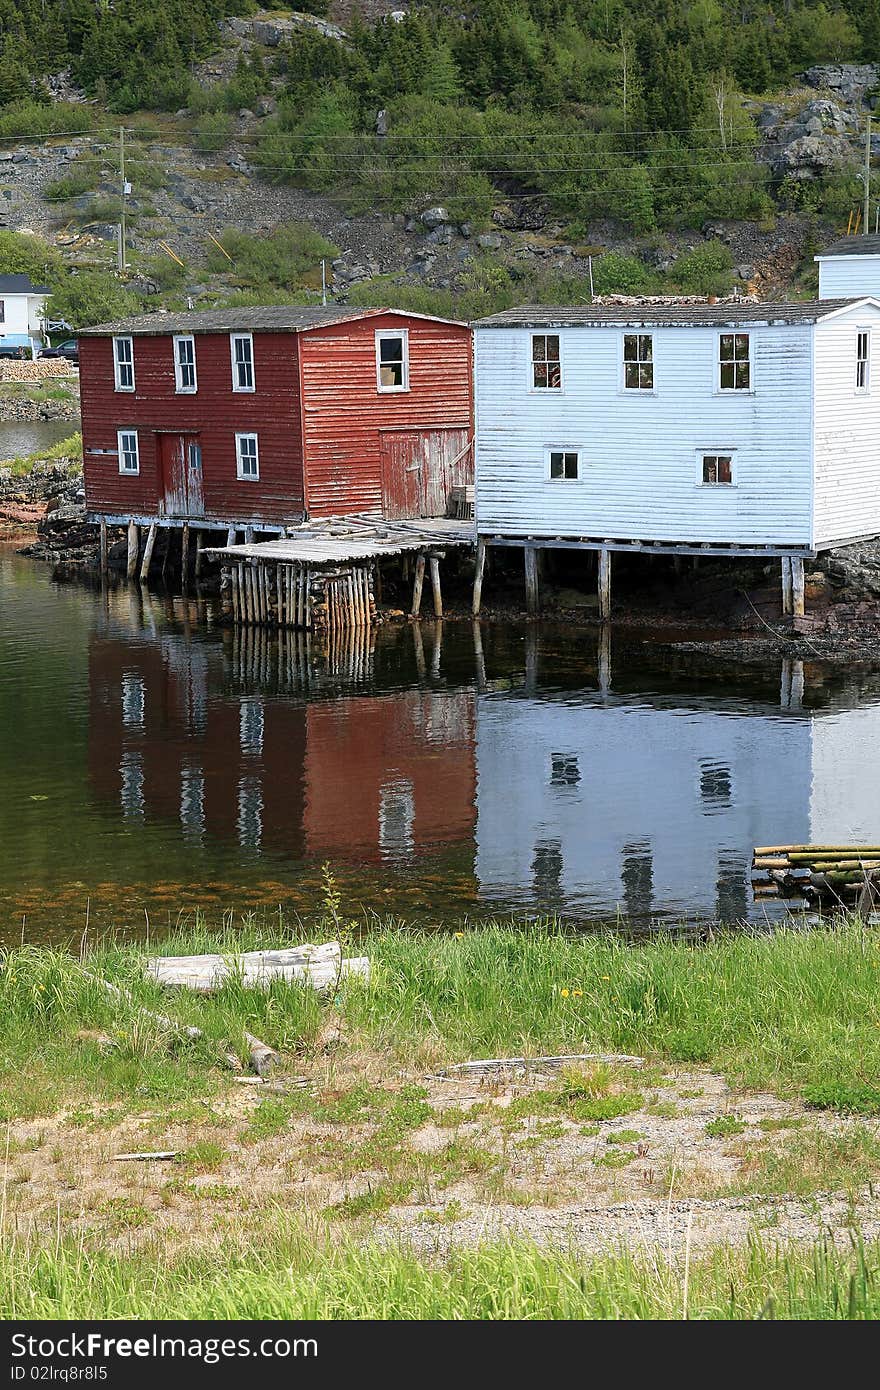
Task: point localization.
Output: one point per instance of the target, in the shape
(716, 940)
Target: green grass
(793, 1013)
(724, 1126)
(296, 1273)
(65, 448)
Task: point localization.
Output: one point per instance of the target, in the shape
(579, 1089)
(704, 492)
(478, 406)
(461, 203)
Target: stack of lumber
(837, 873)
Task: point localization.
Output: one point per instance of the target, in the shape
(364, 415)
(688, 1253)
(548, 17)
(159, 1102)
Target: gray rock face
(811, 155)
(441, 236)
(271, 33)
(489, 241)
(433, 217)
(848, 81)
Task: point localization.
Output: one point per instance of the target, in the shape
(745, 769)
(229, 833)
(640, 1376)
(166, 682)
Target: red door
(180, 459)
(419, 467)
(402, 457)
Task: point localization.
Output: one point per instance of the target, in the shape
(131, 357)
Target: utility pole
(123, 190)
(866, 226)
(324, 283)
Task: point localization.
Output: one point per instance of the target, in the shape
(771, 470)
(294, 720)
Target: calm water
(150, 761)
(21, 440)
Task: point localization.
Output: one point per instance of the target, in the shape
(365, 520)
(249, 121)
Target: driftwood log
(492, 1064)
(320, 966)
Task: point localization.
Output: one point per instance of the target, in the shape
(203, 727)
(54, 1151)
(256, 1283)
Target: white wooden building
(22, 313)
(850, 266)
(733, 428)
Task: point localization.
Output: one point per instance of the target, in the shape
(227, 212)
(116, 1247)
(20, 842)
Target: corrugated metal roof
(272, 318)
(853, 246)
(686, 315)
(21, 284)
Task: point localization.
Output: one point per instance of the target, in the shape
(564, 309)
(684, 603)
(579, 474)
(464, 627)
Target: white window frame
(239, 461)
(559, 449)
(637, 390)
(178, 365)
(117, 365)
(734, 390)
(545, 390)
(717, 453)
(233, 339)
(122, 451)
(863, 388)
(383, 334)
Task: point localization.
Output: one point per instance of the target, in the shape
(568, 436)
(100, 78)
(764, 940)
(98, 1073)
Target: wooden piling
(797, 585)
(148, 551)
(478, 578)
(435, 587)
(787, 591)
(604, 585)
(134, 541)
(200, 541)
(530, 562)
(417, 585)
(104, 564)
(184, 555)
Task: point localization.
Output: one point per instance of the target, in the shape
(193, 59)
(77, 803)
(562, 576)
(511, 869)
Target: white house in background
(725, 428)
(22, 313)
(850, 266)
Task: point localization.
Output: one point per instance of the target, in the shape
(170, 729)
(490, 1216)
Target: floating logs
(843, 874)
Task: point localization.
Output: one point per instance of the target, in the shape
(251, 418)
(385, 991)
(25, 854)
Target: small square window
(129, 459)
(735, 367)
(717, 469)
(638, 361)
(123, 363)
(242, 345)
(863, 360)
(546, 363)
(564, 464)
(392, 361)
(247, 452)
(185, 364)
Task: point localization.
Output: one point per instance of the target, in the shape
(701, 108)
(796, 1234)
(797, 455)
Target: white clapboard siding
(639, 452)
(848, 277)
(847, 430)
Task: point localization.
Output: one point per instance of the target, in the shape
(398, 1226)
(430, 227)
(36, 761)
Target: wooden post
(435, 587)
(419, 651)
(604, 585)
(249, 535)
(148, 551)
(797, 585)
(134, 543)
(200, 540)
(230, 536)
(184, 555)
(604, 659)
(417, 586)
(478, 578)
(787, 595)
(530, 558)
(103, 546)
(479, 657)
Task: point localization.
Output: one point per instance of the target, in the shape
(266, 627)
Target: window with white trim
(123, 363)
(185, 364)
(129, 455)
(242, 349)
(564, 465)
(863, 360)
(734, 362)
(716, 470)
(392, 360)
(546, 362)
(638, 361)
(247, 456)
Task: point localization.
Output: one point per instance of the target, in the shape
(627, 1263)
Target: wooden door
(402, 458)
(180, 459)
(419, 469)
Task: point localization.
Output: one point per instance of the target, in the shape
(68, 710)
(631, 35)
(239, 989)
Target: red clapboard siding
(344, 413)
(215, 413)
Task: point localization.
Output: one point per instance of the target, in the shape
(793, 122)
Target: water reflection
(150, 760)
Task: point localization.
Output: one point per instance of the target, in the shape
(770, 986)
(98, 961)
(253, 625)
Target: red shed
(264, 416)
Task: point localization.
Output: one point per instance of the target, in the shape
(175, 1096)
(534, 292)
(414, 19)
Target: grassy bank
(296, 1273)
(795, 1013)
(68, 448)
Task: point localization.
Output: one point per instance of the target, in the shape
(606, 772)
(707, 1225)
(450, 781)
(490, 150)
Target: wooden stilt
(530, 561)
(200, 541)
(230, 536)
(479, 657)
(134, 541)
(419, 651)
(279, 612)
(436, 649)
(435, 587)
(148, 552)
(604, 659)
(184, 555)
(249, 535)
(478, 578)
(103, 552)
(417, 585)
(787, 595)
(797, 585)
(604, 585)
(233, 584)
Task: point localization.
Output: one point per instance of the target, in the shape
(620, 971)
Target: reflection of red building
(376, 777)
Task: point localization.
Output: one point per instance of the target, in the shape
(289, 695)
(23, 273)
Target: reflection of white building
(657, 806)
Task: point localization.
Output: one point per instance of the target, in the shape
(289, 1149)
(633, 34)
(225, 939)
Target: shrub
(615, 273)
(280, 258)
(213, 131)
(708, 269)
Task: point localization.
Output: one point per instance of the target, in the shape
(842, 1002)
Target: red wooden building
(262, 417)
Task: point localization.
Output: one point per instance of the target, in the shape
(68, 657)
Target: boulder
(848, 81)
(434, 217)
(441, 236)
(811, 155)
(489, 241)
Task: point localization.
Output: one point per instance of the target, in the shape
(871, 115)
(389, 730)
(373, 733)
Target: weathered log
(262, 1057)
(159, 1155)
(519, 1063)
(319, 966)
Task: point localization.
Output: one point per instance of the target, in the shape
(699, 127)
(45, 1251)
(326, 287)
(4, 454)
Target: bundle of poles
(842, 874)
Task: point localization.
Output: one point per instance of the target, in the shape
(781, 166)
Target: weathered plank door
(419, 467)
(180, 460)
